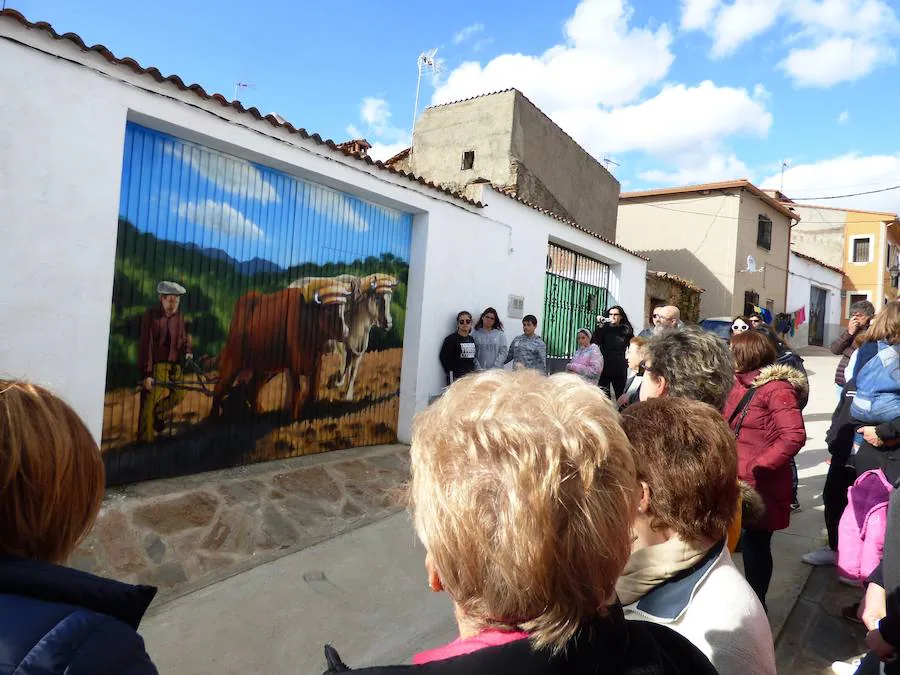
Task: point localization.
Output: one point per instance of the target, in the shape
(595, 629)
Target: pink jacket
(863, 524)
(587, 362)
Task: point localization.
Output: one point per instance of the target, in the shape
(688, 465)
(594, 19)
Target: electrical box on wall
(516, 307)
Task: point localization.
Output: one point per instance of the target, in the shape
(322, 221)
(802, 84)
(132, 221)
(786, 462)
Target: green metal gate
(575, 292)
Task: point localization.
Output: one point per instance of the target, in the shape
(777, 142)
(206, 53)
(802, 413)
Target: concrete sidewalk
(365, 591)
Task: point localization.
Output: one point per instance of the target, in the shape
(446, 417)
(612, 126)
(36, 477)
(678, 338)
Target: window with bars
(764, 232)
(861, 248)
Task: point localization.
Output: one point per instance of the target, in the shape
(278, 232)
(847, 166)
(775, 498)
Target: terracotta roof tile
(510, 191)
(403, 154)
(817, 262)
(675, 279)
(892, 216)
(129, 62)
(740, 183)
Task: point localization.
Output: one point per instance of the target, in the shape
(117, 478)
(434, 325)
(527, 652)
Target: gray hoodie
(490, 348)
(531, 352)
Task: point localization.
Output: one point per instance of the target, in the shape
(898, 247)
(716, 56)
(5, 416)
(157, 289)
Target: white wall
(803, 274)
(61, 147)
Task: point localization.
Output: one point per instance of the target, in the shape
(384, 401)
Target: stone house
(664, 288)
(507, 140)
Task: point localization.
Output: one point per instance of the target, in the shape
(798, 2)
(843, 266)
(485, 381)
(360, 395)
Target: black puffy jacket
(58, 620)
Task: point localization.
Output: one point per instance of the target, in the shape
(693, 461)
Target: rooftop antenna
(608, 161)
(425, 63)
(784, 165)
(241, 85)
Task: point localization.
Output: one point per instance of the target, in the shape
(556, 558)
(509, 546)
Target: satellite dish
(751, 263)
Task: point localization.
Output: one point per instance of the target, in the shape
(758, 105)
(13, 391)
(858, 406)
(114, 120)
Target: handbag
(741, 410)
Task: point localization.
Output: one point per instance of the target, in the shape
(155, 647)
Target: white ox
(369, 305)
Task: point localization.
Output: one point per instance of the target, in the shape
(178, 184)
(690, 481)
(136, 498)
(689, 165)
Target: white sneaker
(844, 667)
(821, 556)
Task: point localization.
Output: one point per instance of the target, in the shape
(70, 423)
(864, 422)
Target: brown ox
(369, 306)
(280, 331)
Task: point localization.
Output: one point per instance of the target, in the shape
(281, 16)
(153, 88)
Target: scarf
(651, 567)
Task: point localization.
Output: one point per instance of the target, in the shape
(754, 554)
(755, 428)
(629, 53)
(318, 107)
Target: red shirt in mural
(163, 338)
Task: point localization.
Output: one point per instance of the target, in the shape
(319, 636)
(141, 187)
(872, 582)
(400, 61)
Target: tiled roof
(740, 183)
(403, 154)
(817, 262)
(361, 142)
(221, 100)
(675, 279)
(510, 191)
(890, 216)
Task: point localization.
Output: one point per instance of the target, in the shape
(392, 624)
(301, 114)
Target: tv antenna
(241, 85)
(425, 63)
(784, 165)
(607, 161)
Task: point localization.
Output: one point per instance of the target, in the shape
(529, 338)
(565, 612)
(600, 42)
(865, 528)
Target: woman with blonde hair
(522, 493)
(55, 619)
(680, 573)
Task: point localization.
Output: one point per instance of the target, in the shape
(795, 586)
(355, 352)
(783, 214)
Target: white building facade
(64, 125)
(816, 288)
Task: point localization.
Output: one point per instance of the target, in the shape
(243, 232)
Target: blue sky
(673, 91)
(184, 192)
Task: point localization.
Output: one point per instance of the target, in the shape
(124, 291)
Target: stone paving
(181, 533)
(815, 634)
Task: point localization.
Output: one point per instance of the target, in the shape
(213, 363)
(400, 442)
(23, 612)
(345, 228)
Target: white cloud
(233, 175)
(831, 41)
(836, 60)
(375, 112)
(386, 139)
(220, 217)
(482, 43)
(698, 14)
(602, 61)
(699, 167)
(741, 21)
(846, 174)
(467, 32)
(675, 121)
(337, 207)
(844, 117)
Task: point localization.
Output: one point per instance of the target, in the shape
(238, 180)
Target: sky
(671, 92)
(184, 192)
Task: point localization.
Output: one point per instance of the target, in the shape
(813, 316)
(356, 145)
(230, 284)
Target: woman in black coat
(612, 335)
(55, 620)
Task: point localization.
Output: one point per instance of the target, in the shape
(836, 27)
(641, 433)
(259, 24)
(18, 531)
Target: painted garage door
(255, 316)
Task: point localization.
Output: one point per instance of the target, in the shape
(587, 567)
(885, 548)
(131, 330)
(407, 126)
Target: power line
(753, 219)
(844, 187)
(852, 194)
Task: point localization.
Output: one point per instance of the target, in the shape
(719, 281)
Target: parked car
(720, 325)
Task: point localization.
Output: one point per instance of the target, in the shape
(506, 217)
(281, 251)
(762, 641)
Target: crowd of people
(579, 523)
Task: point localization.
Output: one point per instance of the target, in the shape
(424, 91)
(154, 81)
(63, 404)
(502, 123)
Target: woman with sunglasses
(490, 341)
(740, 324)
(458, 351)
(612, 335)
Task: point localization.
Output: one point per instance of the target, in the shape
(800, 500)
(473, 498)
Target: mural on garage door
(255, 316)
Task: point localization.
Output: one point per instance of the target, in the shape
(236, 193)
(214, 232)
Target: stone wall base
(184, 533)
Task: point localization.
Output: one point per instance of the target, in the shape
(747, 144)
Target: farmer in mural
(164, 342)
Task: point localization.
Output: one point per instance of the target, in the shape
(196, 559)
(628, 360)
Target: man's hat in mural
(170, 288)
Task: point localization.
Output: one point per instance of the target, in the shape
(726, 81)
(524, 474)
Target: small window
(861, 250)
(855, 297)
(764, 232)
(468, 160)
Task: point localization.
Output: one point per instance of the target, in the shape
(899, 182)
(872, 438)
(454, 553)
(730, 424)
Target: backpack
(863, 524)
(878, 387)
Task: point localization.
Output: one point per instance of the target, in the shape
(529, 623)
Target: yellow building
(864, 244)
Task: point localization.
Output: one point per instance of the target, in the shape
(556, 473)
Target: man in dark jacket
(860, 314)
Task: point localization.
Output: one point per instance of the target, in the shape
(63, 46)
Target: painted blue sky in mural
(188, 193)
